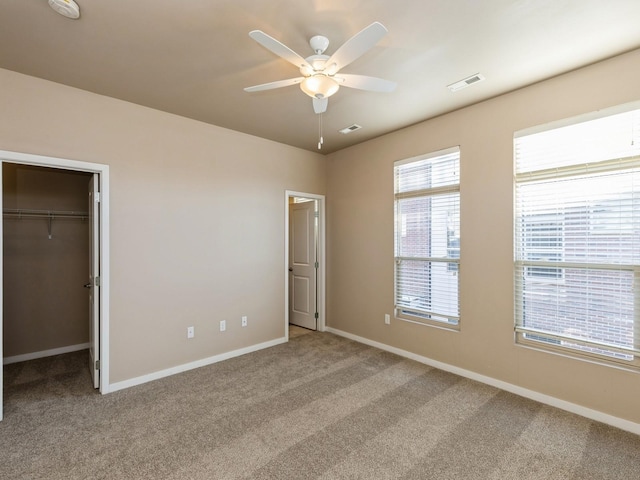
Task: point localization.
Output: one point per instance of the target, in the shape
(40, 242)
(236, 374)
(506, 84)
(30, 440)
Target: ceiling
(193, 58)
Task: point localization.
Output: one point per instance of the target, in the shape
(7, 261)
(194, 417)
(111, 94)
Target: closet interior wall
(45, 302)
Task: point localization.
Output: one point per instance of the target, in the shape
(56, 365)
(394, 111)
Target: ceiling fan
(320, 73)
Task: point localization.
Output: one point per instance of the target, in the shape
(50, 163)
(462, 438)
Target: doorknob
(87, 285)
(290, 269)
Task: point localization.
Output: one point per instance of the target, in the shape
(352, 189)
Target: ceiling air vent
(465, 82)
(350, 129)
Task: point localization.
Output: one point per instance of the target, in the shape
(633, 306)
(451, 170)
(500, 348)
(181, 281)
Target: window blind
(427, 237)
(577, 237)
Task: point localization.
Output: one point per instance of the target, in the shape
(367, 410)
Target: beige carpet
(319, 407)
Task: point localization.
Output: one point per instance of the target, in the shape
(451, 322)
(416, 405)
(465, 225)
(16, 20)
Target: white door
(302, 265)
(94, 280)
(1, 300)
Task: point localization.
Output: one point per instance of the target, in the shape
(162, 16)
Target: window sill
(450, 327)
(629, 366)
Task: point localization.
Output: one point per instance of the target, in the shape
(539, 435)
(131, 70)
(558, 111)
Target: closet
(45, 261)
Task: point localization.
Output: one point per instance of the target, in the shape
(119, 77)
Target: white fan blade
(320, 104)
(271, 85)
(356, 46)
(278, 48)
(363, 82)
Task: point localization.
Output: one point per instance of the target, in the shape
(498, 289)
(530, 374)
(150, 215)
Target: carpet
(317, 407)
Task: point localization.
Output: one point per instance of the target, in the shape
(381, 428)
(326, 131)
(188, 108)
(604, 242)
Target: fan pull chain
(320, 139)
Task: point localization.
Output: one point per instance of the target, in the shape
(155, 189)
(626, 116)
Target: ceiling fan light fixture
(319, 86)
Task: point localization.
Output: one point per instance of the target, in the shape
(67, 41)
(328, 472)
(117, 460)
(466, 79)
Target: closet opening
(46, 262)
(54, 277)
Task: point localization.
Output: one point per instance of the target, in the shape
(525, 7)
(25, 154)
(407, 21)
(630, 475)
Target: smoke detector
(67, 8)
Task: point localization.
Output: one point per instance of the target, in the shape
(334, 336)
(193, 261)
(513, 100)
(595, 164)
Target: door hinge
(316, 315)
(97, 364)
(316, 265)
(96, 281)
(97, 197)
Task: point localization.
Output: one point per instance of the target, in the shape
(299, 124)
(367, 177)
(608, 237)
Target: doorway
(304, 261)
(53, 225)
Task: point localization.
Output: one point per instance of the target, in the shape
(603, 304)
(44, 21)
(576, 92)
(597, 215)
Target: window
(427, 238)
(543, 243)
(577, 237)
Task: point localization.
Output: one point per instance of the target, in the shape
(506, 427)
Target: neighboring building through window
(427, 238)
(577, 237)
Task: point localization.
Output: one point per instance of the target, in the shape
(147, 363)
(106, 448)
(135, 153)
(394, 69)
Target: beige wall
(197, 218)
(45, 304)
(360, 244)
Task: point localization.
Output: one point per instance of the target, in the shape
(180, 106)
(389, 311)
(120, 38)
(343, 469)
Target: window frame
(598, 351)
(418, 315)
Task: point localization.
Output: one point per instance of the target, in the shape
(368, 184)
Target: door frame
(103, 173)
(322, 253)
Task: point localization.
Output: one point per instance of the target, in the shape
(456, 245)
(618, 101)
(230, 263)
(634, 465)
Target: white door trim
(103, 171)
(322, 252)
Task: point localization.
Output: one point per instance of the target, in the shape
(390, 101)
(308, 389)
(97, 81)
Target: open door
(303, 265)
(94, 280)
(1, 300)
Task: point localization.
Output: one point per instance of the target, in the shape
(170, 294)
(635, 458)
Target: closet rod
(20, 212)
(50, 215)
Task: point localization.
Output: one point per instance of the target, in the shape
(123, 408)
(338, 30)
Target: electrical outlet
(244, 321)
(223, 325)
(387, 319)
(191, 331)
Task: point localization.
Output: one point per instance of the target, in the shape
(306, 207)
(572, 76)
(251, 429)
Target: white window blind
(577, 237)
(427, 237)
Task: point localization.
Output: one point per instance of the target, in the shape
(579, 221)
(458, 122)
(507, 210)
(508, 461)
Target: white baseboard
(44, 353)
(132, 382)
(523, 392)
